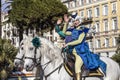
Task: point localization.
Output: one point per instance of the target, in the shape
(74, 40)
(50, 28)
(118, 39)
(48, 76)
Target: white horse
(51, 60)
(19, 60)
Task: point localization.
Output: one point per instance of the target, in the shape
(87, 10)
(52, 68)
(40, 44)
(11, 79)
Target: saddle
(69, 66)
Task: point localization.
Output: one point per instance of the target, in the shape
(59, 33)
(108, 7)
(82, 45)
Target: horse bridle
(46, 64)
(21, 59)
(33, 59)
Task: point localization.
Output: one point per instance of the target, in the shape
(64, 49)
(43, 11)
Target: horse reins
(46, 64)
(59, 67)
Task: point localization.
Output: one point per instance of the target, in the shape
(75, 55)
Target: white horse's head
(18, 61)
(32, 55)
(45, 52)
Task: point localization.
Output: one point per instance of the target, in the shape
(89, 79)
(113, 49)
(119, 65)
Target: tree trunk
(21, 34)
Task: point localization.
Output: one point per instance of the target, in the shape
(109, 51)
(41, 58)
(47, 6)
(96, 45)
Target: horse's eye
(21, 48)
(31, 48)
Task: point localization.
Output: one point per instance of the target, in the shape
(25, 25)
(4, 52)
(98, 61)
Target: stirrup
(101, 71)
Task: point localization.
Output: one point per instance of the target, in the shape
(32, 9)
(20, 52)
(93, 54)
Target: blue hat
(75, 16)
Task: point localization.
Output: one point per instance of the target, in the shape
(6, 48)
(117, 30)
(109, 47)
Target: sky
(3, 5)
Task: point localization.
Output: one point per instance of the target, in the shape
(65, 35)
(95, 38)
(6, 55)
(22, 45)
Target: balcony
(107, 33)
(105, 49)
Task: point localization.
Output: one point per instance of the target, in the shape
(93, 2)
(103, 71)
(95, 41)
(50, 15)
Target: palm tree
(7, 54)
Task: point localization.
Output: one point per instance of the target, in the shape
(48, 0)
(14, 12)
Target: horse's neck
(50, 65)
(51, 56)
(55, 61)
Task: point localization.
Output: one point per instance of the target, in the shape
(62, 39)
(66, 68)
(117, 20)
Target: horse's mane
(49, 43)
(50, 50)
(53, 50)
(47, 47)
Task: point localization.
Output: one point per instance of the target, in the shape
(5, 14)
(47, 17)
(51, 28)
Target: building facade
(106, 20)
(8, 31)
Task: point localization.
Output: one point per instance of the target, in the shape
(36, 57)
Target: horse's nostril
(27, 66)
(16, 64)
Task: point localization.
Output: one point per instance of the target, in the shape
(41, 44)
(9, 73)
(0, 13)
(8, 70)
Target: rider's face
(76, 23)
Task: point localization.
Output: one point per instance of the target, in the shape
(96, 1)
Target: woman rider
(77, 43)
(73, 35)
(79, 48)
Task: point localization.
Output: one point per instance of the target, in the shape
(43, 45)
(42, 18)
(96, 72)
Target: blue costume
(90, 60)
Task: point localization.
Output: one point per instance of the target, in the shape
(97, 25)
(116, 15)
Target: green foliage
(7, 55)
(38, 14)
(116, 57)
(35, 13)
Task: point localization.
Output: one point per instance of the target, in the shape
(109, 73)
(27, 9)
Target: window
(97, 27)
(91, 44)
(97, 13)
(105, 10)
(98, 43)
(81, 14)
(115, 41)
(114, 7)
(72, 4)
(81, 2)
(105, 25)
(89, 13)
(88, 1)
(107, 42)
(114, 23)
(77, 3)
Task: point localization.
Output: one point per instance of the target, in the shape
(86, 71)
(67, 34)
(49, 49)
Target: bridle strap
(59, 67)
(19, 59)
(46, 64)
(34, 59)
